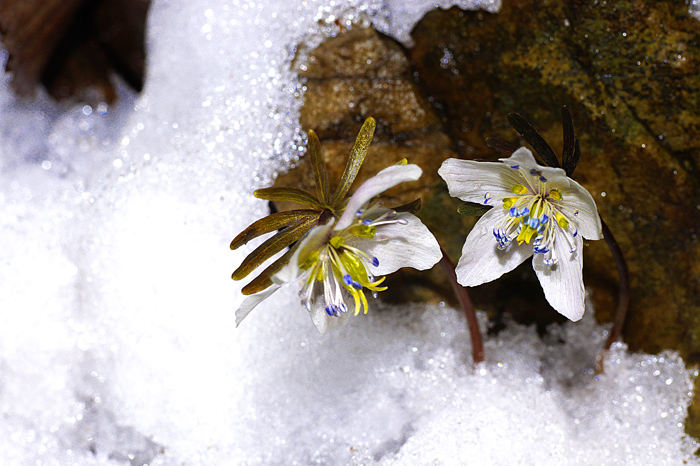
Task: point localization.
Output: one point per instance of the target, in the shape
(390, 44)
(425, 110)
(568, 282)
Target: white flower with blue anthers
(335, 263)
(537, 211)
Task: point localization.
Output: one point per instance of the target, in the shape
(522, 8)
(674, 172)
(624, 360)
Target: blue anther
(533, 222)
(375, 262)
(515, 166)
(356, 285)
(543, 179)
(544, 219)
(402, 221)
(524, 211)
(347, 279)
(343, 308)
(535, 172)
(575, 233)
(550, 262)
(513, 211)
(537, 249)
(359, 213)
(501, 238)
(367, 222)
(487, 198)
(330, 310)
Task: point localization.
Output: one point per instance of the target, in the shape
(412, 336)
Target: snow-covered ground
(117, 336)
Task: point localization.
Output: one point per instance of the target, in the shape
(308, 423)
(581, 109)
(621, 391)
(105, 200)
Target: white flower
(334, 263)
(537, 211)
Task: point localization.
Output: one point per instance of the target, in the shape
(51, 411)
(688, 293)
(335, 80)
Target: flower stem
(466, 303)
(623, 297)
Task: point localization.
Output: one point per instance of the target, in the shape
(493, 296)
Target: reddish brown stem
(466, 303)
(623, 296)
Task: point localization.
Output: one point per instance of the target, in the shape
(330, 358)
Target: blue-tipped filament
(338, 269)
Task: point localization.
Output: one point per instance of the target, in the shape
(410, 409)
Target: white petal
(472, 181)
(396, 245)
(481, 260)
(252, 301)
(385, 179)
(323, 321)
(577, 198)
(563, 283)
(524, 160)
(313, 239)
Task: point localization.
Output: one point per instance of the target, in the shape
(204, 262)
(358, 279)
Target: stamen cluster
(341, 268)
(529, 212)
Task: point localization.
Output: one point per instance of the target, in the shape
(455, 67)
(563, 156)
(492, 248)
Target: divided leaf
(318, 166)
(472, 209)
(533, 138)
(264, 280)
(271, 223)
(272, 246)
(357, 156)
(572, 151)
(289, 194)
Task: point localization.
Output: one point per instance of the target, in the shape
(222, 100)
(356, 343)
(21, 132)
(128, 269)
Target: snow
(117, 339)
(694, 8)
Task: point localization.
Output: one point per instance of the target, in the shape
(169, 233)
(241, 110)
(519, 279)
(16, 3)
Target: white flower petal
(323, 321)
(252, 301)
(314, 239)
(563, 283)
(396, 245)
(385, 179)
(472, 181)
(524, 160)
(481, 260)
(577, 198)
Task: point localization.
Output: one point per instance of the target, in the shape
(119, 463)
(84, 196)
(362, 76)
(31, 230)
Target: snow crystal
(694, 8)
(118, 342)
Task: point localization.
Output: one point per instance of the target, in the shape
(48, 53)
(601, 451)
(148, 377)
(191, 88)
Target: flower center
(535, 216)
(341, 269)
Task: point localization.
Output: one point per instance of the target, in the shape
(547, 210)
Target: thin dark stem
(466, 303)
(623, 297)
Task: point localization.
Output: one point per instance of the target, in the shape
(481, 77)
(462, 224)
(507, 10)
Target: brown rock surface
(629, 71)
(360, 74)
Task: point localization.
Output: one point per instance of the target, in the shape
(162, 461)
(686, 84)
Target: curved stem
(623, 297)
(466, 303)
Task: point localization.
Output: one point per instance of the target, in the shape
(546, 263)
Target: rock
(359, 74)
(629, 73)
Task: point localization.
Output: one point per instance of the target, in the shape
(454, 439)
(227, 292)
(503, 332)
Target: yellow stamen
(363, 231)
(538, 209)
(364, 301)
(526, 234)
(555, 194)
(337, 241)
(519, 189)
(508, 202)
(561, 220)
